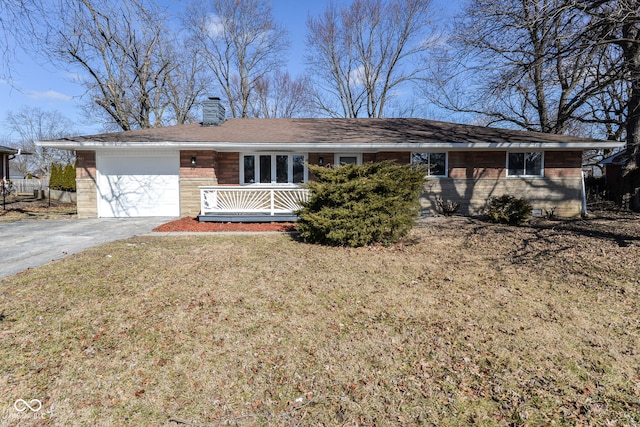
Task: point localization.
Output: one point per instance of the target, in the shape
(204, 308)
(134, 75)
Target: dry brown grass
(464, 323)
(18, 208)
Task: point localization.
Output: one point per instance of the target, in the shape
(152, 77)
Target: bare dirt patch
(18, 208)
(463, 323)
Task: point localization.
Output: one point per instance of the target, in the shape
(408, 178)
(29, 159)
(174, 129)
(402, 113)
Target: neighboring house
(7, 154)
(224, 169)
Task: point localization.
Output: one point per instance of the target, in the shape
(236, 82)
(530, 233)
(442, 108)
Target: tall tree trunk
(633, 122)
(631, 50)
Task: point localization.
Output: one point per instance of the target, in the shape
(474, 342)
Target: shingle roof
(343, 131)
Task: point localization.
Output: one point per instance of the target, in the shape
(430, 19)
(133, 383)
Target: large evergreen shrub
(55, 180)
(69, 175)
(358, 205)
(63, 177)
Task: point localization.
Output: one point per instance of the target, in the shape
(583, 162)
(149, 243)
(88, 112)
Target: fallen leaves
(264, 330)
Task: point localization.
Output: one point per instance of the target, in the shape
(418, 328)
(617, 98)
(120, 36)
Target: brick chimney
(213, 113)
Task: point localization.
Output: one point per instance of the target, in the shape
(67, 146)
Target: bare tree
(122, 53)
(241, 44)
(361, 53)
(186, 82)
(124, 79)
(607, 110)
(15, 20)
(617, 24)
(34, 124)
(121, 58)
(523, 63)
(278, 95)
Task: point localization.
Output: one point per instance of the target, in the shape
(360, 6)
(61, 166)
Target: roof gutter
(19, 152)
(332, 147)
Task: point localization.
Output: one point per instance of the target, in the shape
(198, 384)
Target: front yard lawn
(464, 323)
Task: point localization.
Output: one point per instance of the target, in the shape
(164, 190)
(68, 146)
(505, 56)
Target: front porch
(251, 203)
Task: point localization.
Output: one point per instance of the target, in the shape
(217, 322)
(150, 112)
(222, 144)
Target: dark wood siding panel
(228, 168)
(476, 165)
(314, 158)
(401, 158)
(563, 164)
(470, 165)
(205, 164)
(369, 158)
(85, 164)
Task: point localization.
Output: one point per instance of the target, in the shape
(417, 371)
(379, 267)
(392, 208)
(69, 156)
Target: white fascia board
(332, 147)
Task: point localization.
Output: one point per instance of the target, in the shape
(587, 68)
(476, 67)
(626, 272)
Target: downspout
(5, 160)
(584, 196)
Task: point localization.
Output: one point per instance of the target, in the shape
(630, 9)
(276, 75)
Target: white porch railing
(271, 200)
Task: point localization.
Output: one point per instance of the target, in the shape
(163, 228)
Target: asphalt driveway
(30, 243)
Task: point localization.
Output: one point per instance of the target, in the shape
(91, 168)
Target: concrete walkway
(30, 243)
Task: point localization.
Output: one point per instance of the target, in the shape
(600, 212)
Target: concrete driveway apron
(30, 243)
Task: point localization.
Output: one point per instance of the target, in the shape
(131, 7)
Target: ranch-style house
(254, 169)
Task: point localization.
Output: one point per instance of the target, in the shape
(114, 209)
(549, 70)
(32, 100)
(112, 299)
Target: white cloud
(49, 94)
(357, 76)
(215, 26)
(74, 77)
(7, 82)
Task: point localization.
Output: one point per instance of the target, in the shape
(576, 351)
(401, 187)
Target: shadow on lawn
(29, 208)
(543, 239)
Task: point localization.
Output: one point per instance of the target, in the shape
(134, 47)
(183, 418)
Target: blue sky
(38, 85)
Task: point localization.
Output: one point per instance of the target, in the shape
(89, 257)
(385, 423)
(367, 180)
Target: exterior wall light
(320, 161)
(193, 161)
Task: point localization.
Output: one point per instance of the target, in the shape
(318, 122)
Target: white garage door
(138, 184)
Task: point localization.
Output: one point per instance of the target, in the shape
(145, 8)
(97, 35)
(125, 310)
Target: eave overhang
(6, 151)
(330, 147)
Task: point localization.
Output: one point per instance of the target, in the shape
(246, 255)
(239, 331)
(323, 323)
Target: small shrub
(359, 205)
(447, 207)
(550, 213)
(508, 209)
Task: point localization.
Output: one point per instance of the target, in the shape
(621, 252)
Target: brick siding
(473, 177)
(563, 196)
(190, 195)
(86, 198)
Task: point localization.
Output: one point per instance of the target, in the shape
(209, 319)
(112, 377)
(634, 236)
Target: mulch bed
(192, 224)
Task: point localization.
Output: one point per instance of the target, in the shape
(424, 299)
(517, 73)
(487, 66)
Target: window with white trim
(348, 159)
(267, 168)
(525, 163)
(436, 162)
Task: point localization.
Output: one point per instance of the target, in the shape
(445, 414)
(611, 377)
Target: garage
(138, 184)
